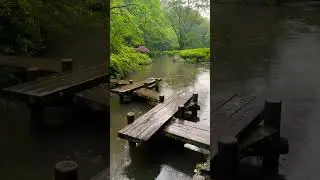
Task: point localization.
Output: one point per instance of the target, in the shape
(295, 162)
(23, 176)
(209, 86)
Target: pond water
(170, 163)
(275, 50)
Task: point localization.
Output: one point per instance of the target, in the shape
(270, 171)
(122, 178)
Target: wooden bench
(142, 129)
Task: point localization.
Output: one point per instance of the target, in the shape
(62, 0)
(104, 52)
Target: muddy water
(275, 51)
(170, 162)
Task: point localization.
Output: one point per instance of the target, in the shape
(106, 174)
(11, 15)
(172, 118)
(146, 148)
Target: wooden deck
(232, 115)
(189, 132)
(49, 65)
(148, 124)
(134, 86)
(61, 83)
(96, 98)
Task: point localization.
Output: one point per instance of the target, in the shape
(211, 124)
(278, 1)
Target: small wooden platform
(134, 86)
(114, 83)
(189, 132)
(148, 124)
(61, 83)
(96, 98)
(232, 115)
(48, 65)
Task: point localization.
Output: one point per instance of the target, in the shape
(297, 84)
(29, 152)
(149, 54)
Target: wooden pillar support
(180, 112)
(195, 101)
(272, 118)
(32, 73)
(130, 119)
(37, 113)
(130, 81)
(121, 96)
(145, 85)
(161, 99)
(157, 84)
(228, 154)
(66, 170)
(66, 65)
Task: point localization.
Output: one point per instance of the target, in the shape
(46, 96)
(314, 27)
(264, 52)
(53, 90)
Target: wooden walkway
(146, 93)
(189, 132)
(134, 86)
(148, 124)
(49, 65)
(232, 115)
(61, 83)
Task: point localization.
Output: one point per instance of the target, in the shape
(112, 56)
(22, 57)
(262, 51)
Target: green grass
(192, 55)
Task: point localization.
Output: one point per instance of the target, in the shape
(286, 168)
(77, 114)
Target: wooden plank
(96, 97)
(147, 94)
(189, 132)
(148, 124)
(116, 83)
(61, 82)
(49, 65)
(233, 117)
(133, 86)
(103, 175)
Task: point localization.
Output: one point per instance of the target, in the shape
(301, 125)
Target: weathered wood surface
(233, 117)
(96, 98)
(71, 82)
(134, 86)
(189, 132)
(49, 65)
(147, 94)
(116, 83)
(148, 124)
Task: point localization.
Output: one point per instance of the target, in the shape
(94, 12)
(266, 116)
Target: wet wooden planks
(134, 86)
(189, 132)
(96, 98)
(49, 65)
(233, 116)
(62, 82)
(147, 94)
(148, 124)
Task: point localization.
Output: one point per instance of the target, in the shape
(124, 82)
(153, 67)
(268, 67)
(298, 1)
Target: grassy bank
(127, 61)
(191, 55)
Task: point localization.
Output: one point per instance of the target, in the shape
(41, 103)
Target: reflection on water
(162, 159)
(276, 51)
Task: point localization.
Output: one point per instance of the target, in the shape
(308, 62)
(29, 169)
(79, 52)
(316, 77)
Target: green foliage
(25, 25)
(125, 61)
(192, 55)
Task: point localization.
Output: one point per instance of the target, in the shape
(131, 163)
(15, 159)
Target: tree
(183, 15)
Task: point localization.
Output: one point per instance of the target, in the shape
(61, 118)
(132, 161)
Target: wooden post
(228, 155)
(130, 81)
(161, 99)
(130, 119)
(272, 118)
(66, 170)
(157, 84)
(180, 112)
(121, 96)
(66, 65)
(195, 101)
(32, 73)
(145, 85)
(37, 113)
